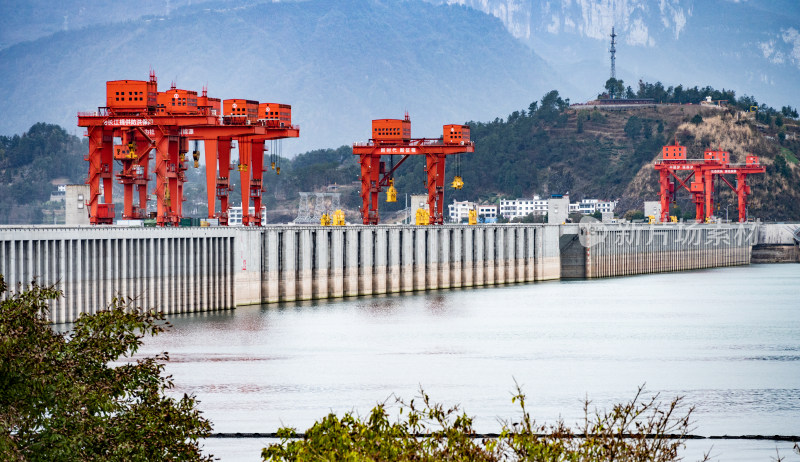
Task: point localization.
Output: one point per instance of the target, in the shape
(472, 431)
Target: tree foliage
(641, 429)
(789, 111)
(82, 396)
(633, 127)
(615, 88)
(694, 95)
(781, 166)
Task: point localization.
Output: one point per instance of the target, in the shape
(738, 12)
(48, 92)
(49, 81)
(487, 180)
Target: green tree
(781, 166)
(697, 119)
(551, 106)
(615, 88)
(633, 127)
(629, 94)
(60, 399)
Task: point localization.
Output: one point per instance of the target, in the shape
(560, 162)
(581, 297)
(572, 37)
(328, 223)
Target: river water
(726, 339)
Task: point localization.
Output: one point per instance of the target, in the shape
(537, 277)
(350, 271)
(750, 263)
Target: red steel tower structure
(139, 124)
(392, 137)
(700, 179)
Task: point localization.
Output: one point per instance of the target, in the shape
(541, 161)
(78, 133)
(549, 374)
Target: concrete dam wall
(179, 270)
(301, 263)
(777, 243)
(173, 270)
(623, 249)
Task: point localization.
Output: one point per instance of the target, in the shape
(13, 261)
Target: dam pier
(181, 270)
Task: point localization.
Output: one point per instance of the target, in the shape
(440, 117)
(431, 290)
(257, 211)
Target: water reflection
(380, 307)
(256, 368)
(437, 305)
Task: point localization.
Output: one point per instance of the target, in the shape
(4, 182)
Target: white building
(459, 211)
(539, 206)
(653, 209)
(590, 206)
(606, 206)
(558, 209)
(587, 206)
(76, 197)
(514, 208)
(60, 194)
(488, 212)
(235, 215)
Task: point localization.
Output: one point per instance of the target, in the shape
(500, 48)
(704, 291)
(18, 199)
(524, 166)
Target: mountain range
(339, 63)
(751, 46)
(342, 63)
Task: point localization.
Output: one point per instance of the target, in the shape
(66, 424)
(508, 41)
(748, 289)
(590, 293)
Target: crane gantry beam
(138, 120)
(703, 172)
(392, 137)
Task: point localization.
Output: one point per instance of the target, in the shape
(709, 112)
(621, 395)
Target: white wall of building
(487, 211)
(558, 209)
(76, 210)
(517, 208)
(458, 211)
(235, 215)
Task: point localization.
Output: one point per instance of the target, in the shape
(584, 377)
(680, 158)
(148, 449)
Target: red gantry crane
(700, 179)
(392, 137)
(138, 120)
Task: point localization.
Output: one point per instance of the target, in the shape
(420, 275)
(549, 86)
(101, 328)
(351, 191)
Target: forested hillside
(29, 163)
(590, 152)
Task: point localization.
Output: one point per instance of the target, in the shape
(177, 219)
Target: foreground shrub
(643, 429)
(61, 398)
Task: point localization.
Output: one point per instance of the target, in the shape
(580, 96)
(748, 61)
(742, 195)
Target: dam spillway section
(191, 269)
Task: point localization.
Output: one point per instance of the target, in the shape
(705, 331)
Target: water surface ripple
(725, 339)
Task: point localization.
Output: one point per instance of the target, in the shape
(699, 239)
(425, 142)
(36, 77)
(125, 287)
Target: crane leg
(256, 185)
(94, 158)
(370, 176)
(210, 148)
(244, 175)
(435, 186)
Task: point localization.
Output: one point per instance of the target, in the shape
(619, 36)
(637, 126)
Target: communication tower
(613, 51)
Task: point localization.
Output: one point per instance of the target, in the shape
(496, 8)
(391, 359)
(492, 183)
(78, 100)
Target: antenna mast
(613, 50)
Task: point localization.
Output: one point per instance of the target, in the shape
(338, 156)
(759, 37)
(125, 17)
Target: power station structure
(392, 137)
(139, 124)
(700, 179)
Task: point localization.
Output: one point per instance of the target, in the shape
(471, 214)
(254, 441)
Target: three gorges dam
(178, 270)
(183, 270)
